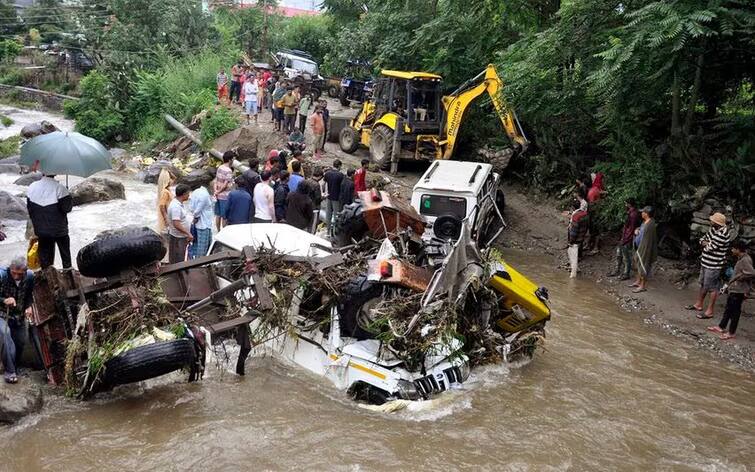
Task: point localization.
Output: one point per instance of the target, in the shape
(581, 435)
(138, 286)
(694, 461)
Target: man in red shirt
(360, 178)
(624, 250)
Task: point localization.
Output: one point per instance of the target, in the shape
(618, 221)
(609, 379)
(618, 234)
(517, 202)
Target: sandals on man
(11, 379)
(704, 317)
(692, 308)
(715, 329)
(727, 336)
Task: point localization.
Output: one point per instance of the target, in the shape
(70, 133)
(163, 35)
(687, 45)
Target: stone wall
(47, 100)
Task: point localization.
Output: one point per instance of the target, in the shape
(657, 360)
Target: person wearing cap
(646, 248)
(715, 246)
(738, 287)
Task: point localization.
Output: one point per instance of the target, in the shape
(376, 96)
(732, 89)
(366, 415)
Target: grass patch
(14, 100)
(6, 120)
(9, 146)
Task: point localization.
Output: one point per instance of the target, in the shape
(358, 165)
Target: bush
(9, 146)
(218, 122)
(96, 115)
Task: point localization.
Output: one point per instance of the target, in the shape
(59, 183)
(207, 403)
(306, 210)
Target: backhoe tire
(356, 295)
(348, 140)
(381, 146)
(316, 93)
(147, 362)
(333, 91)
(349, 224)
(115, 251)
(344, 101)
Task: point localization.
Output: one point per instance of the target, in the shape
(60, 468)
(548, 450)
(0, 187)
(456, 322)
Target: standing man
(646, 242)
(738, 287)
(236, 72)
(295, 178)
(318, 129)
(200, 205)
(49, 203)
(325, 122)
(289, 111)
(360, 178)
(251, 88)
(264, 200)
(222, 188)
(299, 207)
(278, 95)
(333, 179)
(179, 229)
(347, 189)
(715, 248)
(240, 204)
(576, 233)
(16, 285)
(624, 249)
(280, 196)
(251, 176)
(222, 83)
(304, 104)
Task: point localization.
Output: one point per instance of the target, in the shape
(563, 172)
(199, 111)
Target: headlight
(407, 390)
(465, 371)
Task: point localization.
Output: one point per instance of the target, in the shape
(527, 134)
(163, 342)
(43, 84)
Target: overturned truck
(388, 317)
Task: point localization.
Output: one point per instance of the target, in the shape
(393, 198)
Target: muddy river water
(608, 393)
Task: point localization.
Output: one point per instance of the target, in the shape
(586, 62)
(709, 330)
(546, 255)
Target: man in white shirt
(179, 224)
(264, 200)
(49, 203)
(250, 98)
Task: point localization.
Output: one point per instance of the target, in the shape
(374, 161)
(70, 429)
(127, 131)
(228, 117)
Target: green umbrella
(66, 153)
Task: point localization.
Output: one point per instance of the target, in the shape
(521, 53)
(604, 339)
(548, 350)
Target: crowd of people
(274, 191)
(637, 250)
(290, 109)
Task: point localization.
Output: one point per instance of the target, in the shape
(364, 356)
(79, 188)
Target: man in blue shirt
(295, 178)
(239, 204)
(200, 204)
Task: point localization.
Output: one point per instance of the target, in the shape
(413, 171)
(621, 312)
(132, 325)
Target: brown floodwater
(609, 393)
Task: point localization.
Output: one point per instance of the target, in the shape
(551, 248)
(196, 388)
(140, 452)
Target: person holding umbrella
(48, 201)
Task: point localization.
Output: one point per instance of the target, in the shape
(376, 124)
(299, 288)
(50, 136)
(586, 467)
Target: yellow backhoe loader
(409, 118)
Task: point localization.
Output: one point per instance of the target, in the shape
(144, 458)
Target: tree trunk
(675, 120)
(690, 119)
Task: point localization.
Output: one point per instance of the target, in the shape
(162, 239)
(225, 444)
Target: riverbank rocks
(12, 208)
(28, 179)
(197, 178)
(19, 400)
(249, 142)
(37, 129)
(97, 189)
(9, 167)
(153, 171)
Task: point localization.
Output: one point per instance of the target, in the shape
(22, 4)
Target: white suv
(450, 192)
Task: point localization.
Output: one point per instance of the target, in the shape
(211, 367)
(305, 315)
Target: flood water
(608, 393)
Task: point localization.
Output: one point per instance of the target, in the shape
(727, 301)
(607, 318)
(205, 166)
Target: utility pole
(263, 52)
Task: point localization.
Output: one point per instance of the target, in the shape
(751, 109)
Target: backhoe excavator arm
(456, 105)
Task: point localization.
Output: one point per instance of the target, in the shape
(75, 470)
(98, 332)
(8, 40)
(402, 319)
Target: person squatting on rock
(576, 233)
(715, 246)
(16, 285)
(49, 203)
(738, 287)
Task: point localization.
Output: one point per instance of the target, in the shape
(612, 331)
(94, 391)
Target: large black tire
(343, 99)
(357, 296)
(381, 146)
(316, 93)
(115, 251)
(348, 139)
(349, 224)
(333, 91)
(148, 362)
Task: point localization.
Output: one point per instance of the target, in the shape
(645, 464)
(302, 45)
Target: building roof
(410, 75)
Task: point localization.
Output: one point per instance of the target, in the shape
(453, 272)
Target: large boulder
(37, 129)
(9, 167)
(197, 178)
(28, 179)
(17, 401)
(97, 189)
(12, 208)
(248, 142)
(153, 171)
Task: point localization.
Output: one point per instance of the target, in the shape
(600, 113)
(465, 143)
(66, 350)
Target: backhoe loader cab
(408, 116)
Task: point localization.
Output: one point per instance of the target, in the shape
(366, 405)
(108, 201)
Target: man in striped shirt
(715, 249)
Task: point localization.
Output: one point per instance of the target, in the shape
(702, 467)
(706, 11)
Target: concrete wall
(48, 100)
